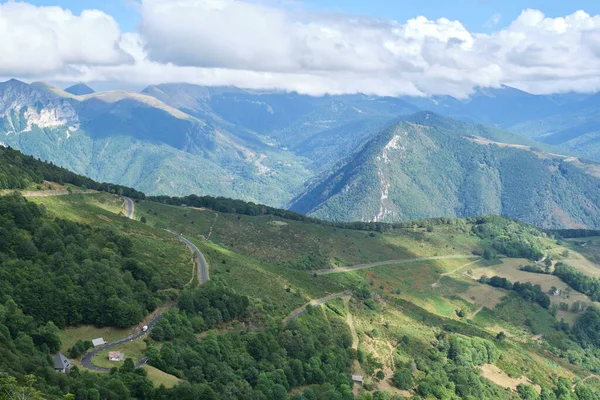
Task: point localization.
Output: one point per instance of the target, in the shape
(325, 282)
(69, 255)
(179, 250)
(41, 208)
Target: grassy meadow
(270, 260)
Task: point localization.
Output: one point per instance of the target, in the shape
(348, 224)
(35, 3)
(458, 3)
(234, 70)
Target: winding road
(202, 268)
(129, 207)
(86, 360)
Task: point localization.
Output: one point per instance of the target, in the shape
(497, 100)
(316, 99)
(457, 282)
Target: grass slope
(270, 260)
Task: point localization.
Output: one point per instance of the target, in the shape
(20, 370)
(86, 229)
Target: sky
(385, 47)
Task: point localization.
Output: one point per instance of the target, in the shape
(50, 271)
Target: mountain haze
(80, 89)
(135, 139)
(334, 157)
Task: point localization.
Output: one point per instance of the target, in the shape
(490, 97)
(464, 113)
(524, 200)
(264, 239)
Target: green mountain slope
(415, 311)
(322, 129)
(136, 140)
(432, 166)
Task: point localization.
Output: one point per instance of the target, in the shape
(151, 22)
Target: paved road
(299, 311)
(390, 262)
(86, 361)
(202, 267)
(129, 207)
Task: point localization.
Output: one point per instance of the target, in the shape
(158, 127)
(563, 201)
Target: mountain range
(340, 157)
(430, 165)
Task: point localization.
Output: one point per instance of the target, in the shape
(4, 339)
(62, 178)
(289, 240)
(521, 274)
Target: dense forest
(55, 273)
(68, 273)
(249, 364)
(224, 345)
(475, 175)
(18, 171)
(574, 233)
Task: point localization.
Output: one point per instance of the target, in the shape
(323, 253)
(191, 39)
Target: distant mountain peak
(80, 89)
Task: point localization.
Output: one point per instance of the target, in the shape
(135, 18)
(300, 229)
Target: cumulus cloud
(36, 40)
(493, 21)
(265, 45)
(422, 55)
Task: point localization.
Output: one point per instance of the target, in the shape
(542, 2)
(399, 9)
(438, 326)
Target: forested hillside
(433, 166)
(136, 140)
(293, 308)
(18, 171)
(292, 150)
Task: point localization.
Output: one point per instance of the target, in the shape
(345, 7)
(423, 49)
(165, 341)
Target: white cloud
(258, 45)
(493, 21)
(36, 40)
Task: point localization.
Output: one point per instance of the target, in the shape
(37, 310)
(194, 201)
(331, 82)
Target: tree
(501, 336)
(128, 366)
(527, 392)
(11, 389)
(403, 379)
(143, 219)
(49, 335)
(380, 375)
(487, 254)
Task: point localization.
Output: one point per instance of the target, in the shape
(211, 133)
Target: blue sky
(474, 14)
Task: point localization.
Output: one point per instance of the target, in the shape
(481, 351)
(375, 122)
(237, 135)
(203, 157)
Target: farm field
(70, 335)
(134, 350)
(159, 377)
(584, 254)
(509, 269)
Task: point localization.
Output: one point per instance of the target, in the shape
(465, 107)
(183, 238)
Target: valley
(388, 296)
(331, 157)
(299, 200)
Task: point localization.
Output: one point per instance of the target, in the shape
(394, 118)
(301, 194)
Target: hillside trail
(390, 262)
(356, 368)
(46, 193)
(483, 303)
(350, 323)
(129, 207)
(586, 378)
(313, 303)
(194, 274)
(210, 231)
(437, 283)
(199, 258)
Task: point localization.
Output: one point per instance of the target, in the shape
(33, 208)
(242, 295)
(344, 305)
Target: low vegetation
(419, 329)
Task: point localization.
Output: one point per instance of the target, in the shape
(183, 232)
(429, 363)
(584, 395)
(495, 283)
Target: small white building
(98, 342)
(357, 378)
(116, 356)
